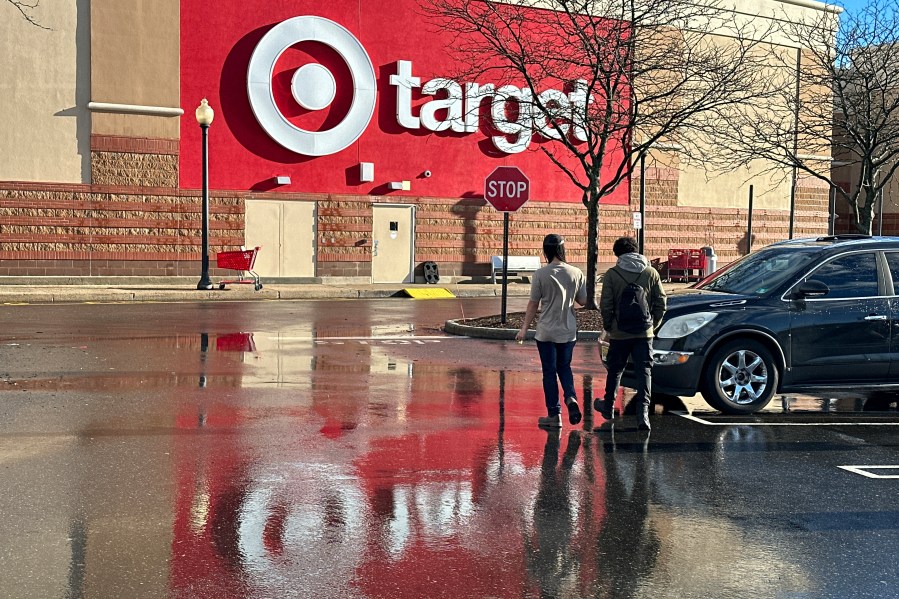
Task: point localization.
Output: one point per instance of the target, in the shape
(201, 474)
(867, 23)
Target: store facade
(341, 144)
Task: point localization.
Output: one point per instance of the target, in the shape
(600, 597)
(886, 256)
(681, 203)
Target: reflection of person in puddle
(549, 555)
(627, 546)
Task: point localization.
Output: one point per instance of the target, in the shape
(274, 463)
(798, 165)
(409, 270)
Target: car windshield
(760, 272)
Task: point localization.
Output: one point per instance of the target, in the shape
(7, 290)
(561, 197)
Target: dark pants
(640, 352)
(555, 359)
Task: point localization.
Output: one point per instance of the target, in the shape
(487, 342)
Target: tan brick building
(100, 169)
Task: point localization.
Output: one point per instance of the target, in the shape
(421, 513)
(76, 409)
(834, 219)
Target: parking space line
(737, 423)
(863, 470)
(398, 338)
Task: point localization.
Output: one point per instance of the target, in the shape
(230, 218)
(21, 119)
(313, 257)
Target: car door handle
(876, 317)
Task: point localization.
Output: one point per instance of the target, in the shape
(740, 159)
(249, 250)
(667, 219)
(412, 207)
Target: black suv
(797, 316)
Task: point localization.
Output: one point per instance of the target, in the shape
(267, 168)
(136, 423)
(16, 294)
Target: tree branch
(26, 9)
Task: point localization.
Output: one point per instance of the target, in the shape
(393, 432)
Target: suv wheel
(740, 377)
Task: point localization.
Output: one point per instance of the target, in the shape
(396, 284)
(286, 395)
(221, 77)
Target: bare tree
(27, 8)
(843, 107)
(636, 73)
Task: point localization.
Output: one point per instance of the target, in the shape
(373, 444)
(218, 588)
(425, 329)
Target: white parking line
(863, 470)
(400, 338)
(737, 423)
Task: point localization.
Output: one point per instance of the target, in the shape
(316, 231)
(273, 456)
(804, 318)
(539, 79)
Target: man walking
(632, 304)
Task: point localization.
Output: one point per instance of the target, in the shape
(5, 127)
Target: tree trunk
(865, 222)
(592, 202)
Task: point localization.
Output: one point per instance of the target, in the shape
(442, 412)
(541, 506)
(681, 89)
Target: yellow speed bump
(428, 292)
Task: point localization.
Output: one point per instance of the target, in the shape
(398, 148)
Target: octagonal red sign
(507, 188)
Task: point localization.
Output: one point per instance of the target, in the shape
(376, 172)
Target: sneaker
(574, 410)
(643, 418)
(604, 408)
(550, 421)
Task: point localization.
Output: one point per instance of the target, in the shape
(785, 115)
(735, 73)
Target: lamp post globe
(204, 115)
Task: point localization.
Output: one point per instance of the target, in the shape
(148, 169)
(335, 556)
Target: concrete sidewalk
(51, 290)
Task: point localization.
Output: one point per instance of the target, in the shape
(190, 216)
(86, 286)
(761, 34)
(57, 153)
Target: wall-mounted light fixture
(282, 180)
(366, 172)
(400, 185)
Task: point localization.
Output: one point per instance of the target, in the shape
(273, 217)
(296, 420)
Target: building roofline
(822, 6)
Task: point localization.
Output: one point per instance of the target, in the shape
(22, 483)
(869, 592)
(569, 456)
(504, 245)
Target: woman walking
(555, 289)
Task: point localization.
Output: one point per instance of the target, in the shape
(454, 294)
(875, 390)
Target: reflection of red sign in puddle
(455, 509)
(462, 513)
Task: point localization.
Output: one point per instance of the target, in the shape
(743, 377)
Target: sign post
(507, 189)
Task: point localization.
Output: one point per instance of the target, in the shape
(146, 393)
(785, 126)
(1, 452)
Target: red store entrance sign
(346, 87)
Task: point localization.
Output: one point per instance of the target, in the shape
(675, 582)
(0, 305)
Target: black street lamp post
(205, 115)
(641, 233)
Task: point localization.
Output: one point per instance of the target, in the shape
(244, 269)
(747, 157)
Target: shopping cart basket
(242, 261)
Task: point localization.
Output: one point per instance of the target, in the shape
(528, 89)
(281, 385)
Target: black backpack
(632, 315)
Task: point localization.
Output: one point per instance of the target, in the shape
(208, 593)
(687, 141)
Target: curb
(139, 291)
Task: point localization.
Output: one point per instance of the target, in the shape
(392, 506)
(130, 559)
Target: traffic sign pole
(502, 318)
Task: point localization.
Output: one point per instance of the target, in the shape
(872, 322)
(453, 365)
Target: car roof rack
(844, 237)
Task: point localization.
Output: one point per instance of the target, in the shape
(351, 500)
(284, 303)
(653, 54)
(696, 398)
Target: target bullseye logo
(313, 86)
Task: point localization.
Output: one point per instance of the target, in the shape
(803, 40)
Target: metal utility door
(392, 244)
(286, 233)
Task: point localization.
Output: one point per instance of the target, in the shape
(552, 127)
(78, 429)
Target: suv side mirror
(811, 288)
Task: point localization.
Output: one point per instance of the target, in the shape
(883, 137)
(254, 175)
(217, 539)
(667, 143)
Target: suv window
(760, 272)
(852, 275)
(893, 262)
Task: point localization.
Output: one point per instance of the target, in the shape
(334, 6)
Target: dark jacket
(629, 265)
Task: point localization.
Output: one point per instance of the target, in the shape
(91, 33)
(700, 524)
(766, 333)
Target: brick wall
(344, 236)
(94, 230)
(132, 161)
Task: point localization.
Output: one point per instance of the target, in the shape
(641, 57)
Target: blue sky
(848, 4)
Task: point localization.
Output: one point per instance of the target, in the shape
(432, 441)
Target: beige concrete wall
(760, 15)
(135, 61)
(710, 179)
(43, 117)
(731, 189)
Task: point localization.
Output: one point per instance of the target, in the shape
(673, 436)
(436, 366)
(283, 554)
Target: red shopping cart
(683, 262)
(242, 261)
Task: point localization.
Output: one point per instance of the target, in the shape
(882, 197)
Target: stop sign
(507, 189)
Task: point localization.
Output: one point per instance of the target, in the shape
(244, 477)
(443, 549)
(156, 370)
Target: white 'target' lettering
(405, 82)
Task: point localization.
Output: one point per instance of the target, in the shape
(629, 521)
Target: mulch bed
(587, 320)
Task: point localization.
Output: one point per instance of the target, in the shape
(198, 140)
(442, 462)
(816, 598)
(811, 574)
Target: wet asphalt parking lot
(351, 449)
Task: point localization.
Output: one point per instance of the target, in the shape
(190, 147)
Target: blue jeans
(640, 352)
(555, 359)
